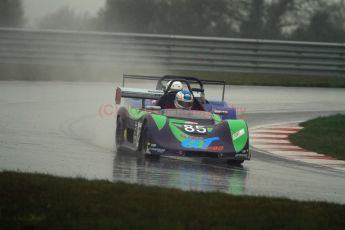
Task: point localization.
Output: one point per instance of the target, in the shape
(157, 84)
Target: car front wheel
(144, 140)
(119, 136)
(235, 162)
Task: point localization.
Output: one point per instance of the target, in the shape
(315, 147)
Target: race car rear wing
(155, 78)
(124, 92)
(170, 77)
(137, 77)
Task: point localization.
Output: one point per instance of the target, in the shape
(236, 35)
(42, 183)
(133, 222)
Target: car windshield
(191, 114)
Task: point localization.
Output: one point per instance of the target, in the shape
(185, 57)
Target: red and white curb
(273, 139)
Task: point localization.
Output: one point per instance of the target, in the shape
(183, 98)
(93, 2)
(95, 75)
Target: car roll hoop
(166, 91)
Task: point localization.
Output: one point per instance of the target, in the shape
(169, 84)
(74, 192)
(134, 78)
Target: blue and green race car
(146, 121)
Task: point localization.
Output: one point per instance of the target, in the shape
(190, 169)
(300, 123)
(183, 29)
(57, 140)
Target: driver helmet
(175, 87)
(183, 100)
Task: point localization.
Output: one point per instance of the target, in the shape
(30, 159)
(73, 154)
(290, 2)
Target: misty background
(303, 20)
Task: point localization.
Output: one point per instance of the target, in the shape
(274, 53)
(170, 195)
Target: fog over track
(67, 129)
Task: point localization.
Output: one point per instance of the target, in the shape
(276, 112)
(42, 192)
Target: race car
(147, 121)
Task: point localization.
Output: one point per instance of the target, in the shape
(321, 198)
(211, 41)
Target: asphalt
(67, 129)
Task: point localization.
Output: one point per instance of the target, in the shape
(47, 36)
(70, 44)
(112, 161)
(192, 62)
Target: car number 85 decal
(195, 128)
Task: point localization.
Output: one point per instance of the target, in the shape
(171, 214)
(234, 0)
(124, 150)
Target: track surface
(67, 129)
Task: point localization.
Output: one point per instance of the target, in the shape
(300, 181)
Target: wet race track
(67, 129)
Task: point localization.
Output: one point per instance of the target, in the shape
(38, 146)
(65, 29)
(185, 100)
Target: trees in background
(186, 17)
(11, 13)
(326, 24)
(128, 16)
(64, 18)
(312, 20)
(275, 18)
(308, 20)
(253, 25)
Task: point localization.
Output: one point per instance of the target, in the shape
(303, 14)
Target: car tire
(119, 133)
(235, 162)
(143, 140)
(144, 143)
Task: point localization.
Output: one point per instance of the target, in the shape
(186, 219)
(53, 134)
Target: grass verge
(325, 135)
(270, 79)
(38, 201)
(106, 73)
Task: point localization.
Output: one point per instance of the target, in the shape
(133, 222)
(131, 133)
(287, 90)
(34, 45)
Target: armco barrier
(173, 52)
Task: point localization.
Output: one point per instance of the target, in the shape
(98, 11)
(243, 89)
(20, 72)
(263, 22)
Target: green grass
(324, 135)
(108, 73)
(38, 201)
(270, 79)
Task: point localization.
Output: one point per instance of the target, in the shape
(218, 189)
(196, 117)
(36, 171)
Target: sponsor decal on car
(153, 147)
(216, 148)
(241, 155)
(158, 150)
(198, 143)
(238, 134)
